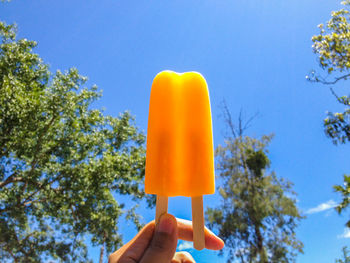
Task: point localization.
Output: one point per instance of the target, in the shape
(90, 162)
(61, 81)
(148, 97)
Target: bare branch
(228, 118)
(335, 94)
(324, 81)
(247, 124)
(242, 126)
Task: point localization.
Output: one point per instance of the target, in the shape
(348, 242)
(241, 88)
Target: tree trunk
(102, 250)
(101, 253)
(261, 249)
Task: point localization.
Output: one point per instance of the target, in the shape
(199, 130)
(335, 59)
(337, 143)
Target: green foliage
(257, 216)
(332, 46)
(344, 190)
(346, 256)
(61, 161)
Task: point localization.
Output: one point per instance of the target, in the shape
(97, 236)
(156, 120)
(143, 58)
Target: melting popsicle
(179, 158)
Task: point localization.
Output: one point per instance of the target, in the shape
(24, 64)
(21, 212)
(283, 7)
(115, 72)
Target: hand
(158, 243)
(182, 257)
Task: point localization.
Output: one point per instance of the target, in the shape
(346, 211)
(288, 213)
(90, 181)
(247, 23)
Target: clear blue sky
(255, 54)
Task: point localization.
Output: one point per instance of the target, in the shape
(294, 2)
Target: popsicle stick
(161, 206)
(198, 222)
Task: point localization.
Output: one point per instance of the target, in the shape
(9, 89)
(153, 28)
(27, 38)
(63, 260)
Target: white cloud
(346, 233)
(322, 207)
(184, 245)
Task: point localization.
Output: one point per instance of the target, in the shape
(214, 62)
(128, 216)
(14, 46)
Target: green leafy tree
(61, 161)
(332, 47)
(346, 256)
(257, 216)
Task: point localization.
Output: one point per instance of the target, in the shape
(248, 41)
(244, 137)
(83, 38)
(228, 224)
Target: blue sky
(255, 54)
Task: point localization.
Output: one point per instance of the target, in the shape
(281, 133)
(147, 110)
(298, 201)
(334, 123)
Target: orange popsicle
(179, 158)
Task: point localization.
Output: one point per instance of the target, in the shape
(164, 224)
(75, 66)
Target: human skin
(182, 257)
(157, 243)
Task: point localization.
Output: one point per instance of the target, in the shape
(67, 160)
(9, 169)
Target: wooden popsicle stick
(198, 222)
(161, 206)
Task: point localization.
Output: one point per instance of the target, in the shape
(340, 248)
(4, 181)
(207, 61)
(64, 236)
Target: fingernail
(166, 224)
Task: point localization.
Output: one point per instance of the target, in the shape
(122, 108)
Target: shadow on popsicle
(180, 155)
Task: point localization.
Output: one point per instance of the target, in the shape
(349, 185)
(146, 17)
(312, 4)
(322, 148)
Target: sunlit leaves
(344, 190)
(332, 46)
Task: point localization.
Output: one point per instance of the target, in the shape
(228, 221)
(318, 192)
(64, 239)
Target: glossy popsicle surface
(179, 158)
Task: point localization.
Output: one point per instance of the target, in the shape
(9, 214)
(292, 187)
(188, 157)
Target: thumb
(163, 245)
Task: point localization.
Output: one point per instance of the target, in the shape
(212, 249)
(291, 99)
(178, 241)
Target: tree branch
(246, 125)
(11, 179)
(228, 118)
(103, 247)
(40, 186)
(241, 125)
(324, 81)
(334, 94)
(34, 201)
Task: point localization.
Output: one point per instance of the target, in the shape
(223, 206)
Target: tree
(332, 47)
(61, 161)
(257, 216)
(346, 256)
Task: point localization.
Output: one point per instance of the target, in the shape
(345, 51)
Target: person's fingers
(134, 249)
(163, 245)
(182, 257)
(185, 232)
